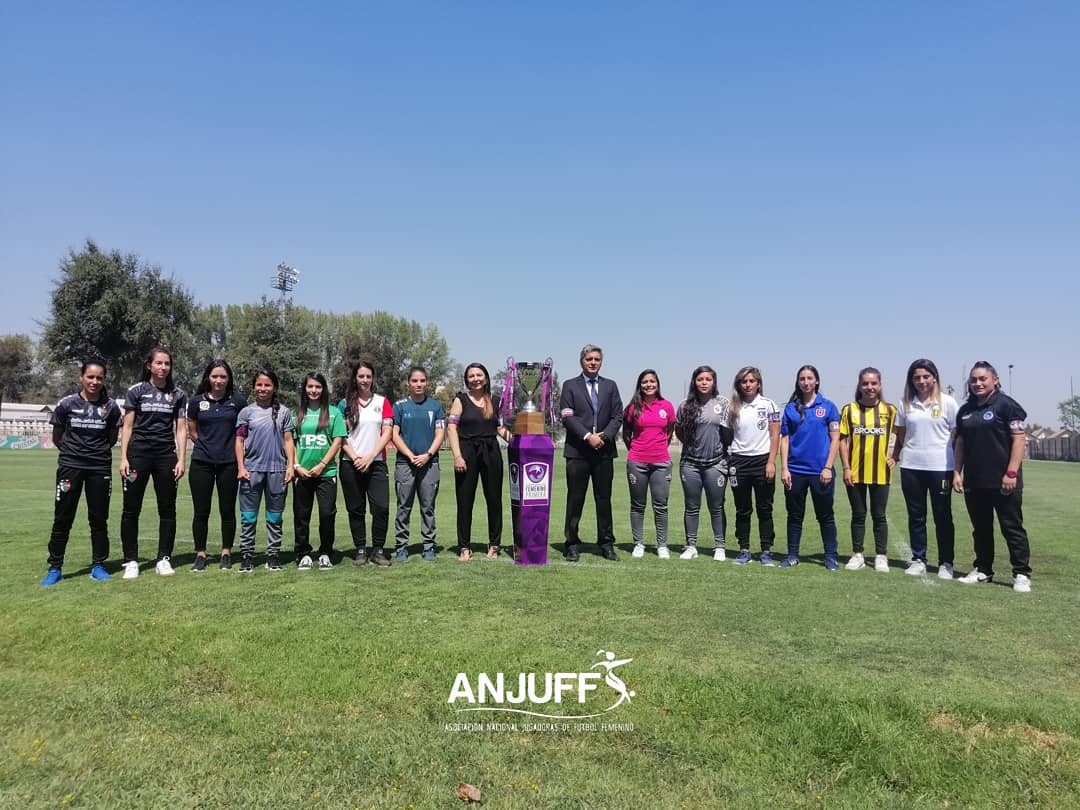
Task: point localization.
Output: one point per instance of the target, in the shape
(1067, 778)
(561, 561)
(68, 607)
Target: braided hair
(686, 423)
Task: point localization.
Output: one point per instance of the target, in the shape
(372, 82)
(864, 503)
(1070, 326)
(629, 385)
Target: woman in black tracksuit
(211, 423)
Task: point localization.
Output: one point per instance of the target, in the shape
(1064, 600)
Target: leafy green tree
(274, 336)
(16, 366)
(115, 307)
(1069, 412)
(392, 345)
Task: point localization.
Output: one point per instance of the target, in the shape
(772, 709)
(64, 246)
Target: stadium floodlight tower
(285, 279)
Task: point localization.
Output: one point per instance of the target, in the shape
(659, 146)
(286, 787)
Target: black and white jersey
(87, 427)
(156, 412)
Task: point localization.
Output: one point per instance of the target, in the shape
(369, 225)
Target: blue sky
(842, 184)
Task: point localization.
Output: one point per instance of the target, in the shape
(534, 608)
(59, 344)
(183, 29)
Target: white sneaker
(881, 564)
(916, 568)
(689, 553)
(304, 564)
(324, 563)
(639, 550)
(974, 577)
(131, 570)
(1022, 583)
(944, 571)
(663, 553)
(719, 555)
(855, 563)
(164, 567)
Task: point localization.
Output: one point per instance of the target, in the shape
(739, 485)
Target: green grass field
(753, 687)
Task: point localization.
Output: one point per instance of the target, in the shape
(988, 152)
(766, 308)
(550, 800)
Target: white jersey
(927, 440)
(752, 430)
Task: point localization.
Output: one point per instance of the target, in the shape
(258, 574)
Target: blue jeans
(822, 496)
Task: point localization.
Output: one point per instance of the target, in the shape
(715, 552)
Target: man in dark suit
(591, 412)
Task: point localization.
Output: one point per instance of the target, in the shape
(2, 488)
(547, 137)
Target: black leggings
(160, 469)
(305, 492)
(483, 464)
(204, 477)
(70, 484)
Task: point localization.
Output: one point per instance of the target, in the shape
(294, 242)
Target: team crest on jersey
(988, 416)
(663, 413)
(935, 412)
(761, 413)
(819, 413)
(204, 405)
(761, 423)
(718, 408)
(168, 397)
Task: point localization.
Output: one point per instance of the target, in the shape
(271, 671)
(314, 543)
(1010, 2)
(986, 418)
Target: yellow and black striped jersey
(868, 430)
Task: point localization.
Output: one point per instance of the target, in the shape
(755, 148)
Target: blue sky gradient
(842, 184)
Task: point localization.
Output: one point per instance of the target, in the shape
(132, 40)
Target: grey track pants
(643, 480)
(409, 482)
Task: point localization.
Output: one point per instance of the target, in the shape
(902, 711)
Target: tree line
(115, 307)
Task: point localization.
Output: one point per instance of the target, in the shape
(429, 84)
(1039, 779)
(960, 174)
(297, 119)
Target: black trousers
(579, 471)
(917, 484)
(160, 469)
(981, 506)
(746, 474)
(484, 465)
(305, 493)
(879, 500)
(370, 488)
(70, 483)
(204, 477)
(822, 497)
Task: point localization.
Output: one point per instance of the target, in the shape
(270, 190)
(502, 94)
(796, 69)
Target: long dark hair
(352, 392)
(686, 422)
(324, 401)
(633, 410)
(858, 385)
(796, 395)
(488, 409)
(736, 391)
(204, 383)
(974, 400)
(274, 404)
(150, 358)
(104, 395)
(909, 385)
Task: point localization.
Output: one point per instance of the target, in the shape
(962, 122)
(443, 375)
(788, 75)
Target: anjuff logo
(499, 692)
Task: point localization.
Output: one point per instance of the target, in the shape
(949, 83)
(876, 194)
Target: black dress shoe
(607, 551)
(572, 554)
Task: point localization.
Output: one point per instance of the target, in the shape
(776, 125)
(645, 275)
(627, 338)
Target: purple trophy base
(532, 460)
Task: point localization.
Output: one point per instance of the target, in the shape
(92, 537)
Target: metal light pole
(286, 279)
(1010, 378)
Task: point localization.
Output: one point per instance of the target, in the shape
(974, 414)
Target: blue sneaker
(742, 558)
(52, 577)
(831, 564)
(766, 559)
(99, 573)
(401, 555)
(429, 554)
(790, 561)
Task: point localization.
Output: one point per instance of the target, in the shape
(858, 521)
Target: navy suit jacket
(575, 409)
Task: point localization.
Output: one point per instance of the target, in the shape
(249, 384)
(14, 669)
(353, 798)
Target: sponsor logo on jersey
(868, 431)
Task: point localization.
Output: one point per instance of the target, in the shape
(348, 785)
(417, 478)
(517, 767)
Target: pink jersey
(649, 440)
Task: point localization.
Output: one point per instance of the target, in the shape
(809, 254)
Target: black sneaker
(273, 563)
(200, 564)
(247, 565)
(377, 557)
(226, 561)
(361, 557)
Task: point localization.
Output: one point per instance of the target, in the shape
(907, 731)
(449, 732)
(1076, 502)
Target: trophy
(527, 381)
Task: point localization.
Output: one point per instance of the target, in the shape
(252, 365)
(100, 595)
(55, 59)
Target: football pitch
(751, 686)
